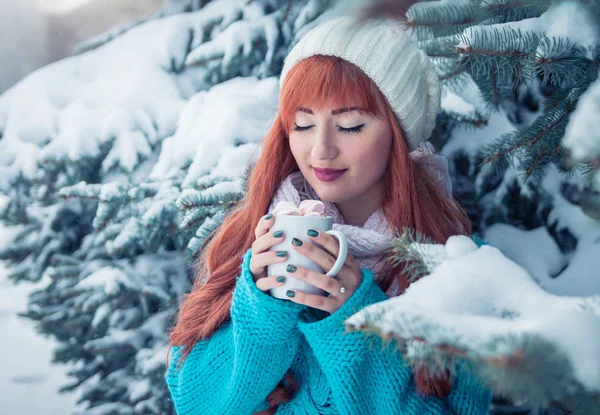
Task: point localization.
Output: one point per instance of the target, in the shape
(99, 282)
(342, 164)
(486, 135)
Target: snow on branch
(479, 306)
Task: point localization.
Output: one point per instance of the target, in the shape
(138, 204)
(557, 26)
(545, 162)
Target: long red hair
(412, 199)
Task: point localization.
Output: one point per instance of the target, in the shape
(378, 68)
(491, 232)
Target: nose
(324, 145)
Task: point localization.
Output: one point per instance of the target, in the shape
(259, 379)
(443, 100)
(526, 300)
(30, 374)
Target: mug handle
(339, 262)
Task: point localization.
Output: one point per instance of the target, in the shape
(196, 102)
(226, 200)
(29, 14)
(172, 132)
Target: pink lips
(328, 175)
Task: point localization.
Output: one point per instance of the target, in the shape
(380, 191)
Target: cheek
(299, 148)
(372, 158)
(294, 146)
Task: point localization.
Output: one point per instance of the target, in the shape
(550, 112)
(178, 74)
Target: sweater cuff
(478, 241)
(256, 311)
(368, 293)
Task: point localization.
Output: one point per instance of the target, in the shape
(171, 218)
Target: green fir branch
(472, 121)
(500, 56)
(246, 177)
(562, 63)
(208, 181)
(591, 173)
(533, 148)
(405, 249)
(504, 11)
(430, 20)
(196, 200)
(204, 234)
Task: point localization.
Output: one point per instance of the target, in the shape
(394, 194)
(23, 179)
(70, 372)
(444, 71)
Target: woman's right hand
(261, 256)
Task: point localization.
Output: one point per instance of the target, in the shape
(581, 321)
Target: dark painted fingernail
(281, 254)
(291, 268)
(281, 279)
(313, 233)
(278, 234)
(290, 293)
(296, 242)
(269, 216)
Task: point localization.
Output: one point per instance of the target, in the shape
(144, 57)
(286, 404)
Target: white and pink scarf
(369, 242)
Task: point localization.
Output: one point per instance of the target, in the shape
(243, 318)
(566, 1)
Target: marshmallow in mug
(307, 207)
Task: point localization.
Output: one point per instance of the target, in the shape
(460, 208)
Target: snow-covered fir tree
(521, 82)
(117, 164)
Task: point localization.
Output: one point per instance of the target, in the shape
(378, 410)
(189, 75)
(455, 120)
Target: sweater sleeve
(367, 377)
(235, 370)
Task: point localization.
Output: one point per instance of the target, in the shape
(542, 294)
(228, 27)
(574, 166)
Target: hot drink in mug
(295, 222)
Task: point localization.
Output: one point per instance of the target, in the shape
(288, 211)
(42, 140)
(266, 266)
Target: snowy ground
(28, 381)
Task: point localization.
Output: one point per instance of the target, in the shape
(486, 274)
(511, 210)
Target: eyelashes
(356, 129)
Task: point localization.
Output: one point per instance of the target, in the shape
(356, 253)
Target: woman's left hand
(350, 275)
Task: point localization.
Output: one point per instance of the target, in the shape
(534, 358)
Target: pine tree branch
(286, 12)
(494, 84)
(529, 143)
(503, 11)
(406, 249)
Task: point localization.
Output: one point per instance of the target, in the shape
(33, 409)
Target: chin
(332, 195)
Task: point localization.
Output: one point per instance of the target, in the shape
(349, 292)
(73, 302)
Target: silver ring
(342, 289)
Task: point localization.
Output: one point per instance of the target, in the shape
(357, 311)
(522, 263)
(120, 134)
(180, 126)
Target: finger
(263, 225)
(266, 283)
(315, 301)
(328, 284)
(351, 262)
(260, 261)
(319, 256)
(329, 242)
(266, 241)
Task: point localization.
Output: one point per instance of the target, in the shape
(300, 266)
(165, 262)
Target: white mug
(297, 227)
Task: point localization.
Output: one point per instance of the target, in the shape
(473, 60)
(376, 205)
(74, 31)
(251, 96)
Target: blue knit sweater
(235, 370)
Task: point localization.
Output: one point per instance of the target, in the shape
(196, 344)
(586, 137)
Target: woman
(360, 99)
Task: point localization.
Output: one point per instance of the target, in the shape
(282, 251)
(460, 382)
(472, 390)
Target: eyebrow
(333, 112)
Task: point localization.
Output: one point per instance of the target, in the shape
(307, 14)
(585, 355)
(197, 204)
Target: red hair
(412, 199)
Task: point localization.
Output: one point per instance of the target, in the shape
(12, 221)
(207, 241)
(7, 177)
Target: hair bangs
(321, 82)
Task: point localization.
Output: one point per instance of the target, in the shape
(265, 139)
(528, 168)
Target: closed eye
(299, 128)
(355, 129)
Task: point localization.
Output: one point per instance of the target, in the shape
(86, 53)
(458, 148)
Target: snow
(223, 187)
(139, 389)
(475, 300)
(534, 250)
(309, 12)
(209, 128)
(565, 19)
(582, 135)
(471, 140)
(581, 275)
(569, 19)
(29, 383)
(457, 247)
(567, 215)
(239, 36)
(234, 160)
(457, 104)
(140, 106)
(81, 106)
(108, 279)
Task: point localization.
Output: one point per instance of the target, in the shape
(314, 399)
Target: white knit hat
(390, 58)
